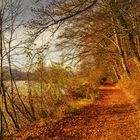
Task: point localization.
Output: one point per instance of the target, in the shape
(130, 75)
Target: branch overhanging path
(61, 19)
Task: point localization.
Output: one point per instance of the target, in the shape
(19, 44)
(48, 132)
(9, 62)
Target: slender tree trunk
(11, 76)
(124, 24)
(116, 74)
(30, 98)
(1, 77)
(1, 123)
(121, 50)
(3, 93)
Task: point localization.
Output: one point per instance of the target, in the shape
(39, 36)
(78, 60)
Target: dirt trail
(113, 117)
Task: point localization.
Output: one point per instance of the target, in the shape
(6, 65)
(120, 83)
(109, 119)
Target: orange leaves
(111, 117)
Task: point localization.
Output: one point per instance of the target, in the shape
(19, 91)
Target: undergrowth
(131, 86)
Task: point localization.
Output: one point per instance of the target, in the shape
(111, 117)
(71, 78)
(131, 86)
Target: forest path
(113, 117)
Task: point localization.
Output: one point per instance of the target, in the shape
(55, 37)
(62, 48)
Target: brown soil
(113, 117)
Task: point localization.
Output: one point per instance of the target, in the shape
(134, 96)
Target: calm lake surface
(21, 85)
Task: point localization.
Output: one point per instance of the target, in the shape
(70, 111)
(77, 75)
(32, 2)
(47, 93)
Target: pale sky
(20, 60)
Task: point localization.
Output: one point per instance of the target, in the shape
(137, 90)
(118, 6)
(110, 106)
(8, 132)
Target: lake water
(21, 85)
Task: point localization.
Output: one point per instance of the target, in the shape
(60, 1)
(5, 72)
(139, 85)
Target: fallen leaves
(111, 118)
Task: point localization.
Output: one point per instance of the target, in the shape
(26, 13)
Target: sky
(20, 60)
(27, 5)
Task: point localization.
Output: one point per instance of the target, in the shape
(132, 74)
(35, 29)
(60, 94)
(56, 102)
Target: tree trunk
(124, 24)
(120, 49)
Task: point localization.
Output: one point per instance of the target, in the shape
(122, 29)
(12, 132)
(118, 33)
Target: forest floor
(113, 117)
